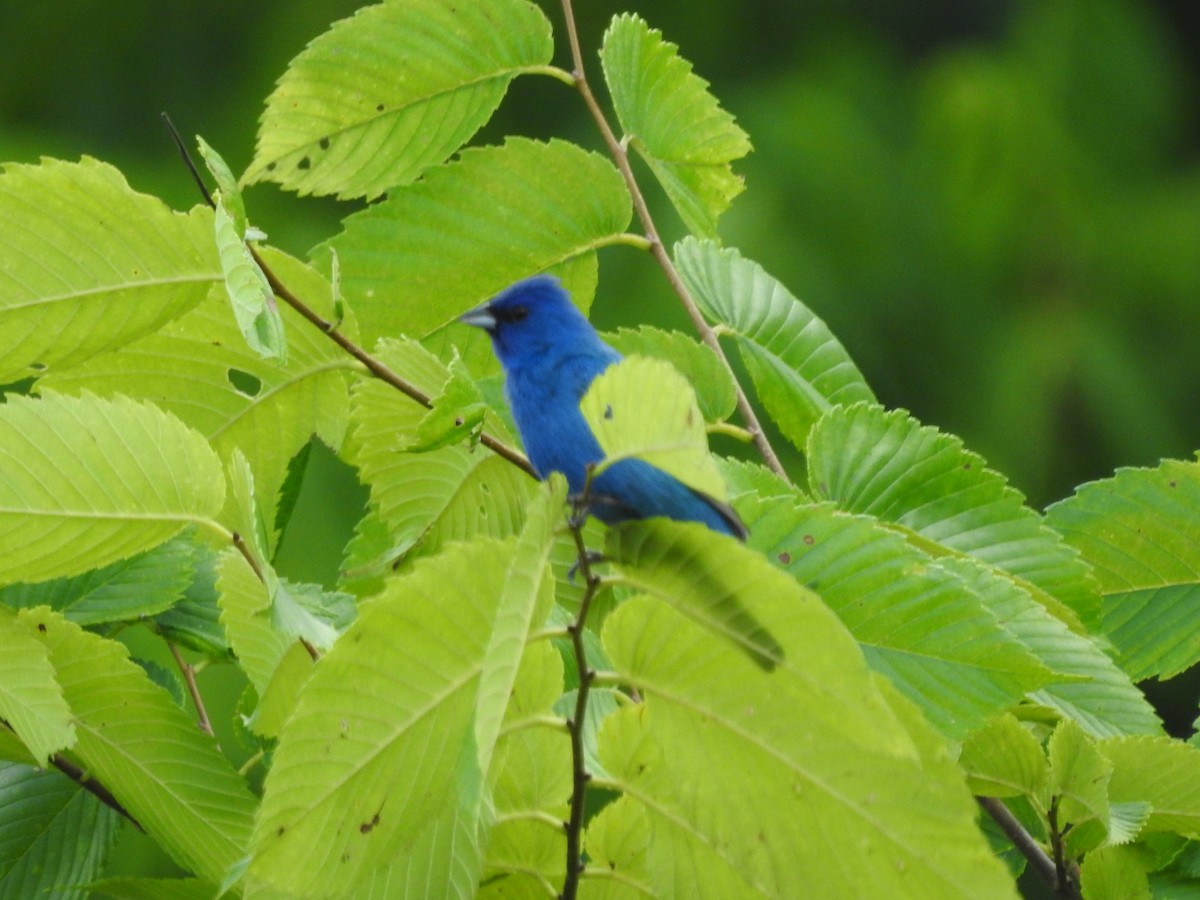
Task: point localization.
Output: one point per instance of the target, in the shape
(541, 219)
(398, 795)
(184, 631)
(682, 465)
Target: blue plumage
(551, 354)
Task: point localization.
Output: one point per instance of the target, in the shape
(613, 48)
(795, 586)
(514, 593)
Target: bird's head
(532, 320)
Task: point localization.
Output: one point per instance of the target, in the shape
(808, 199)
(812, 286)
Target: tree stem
(576, 724)
(1030, 848)
(189, 677)
(95, 788)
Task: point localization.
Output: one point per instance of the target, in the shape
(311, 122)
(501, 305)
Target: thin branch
(243, 548)
(374, 366)
(189, 677)
(252, 762)
(95, 788)
(620, 155)
(580, 775)
(1029, 848)
(330, 329)
(187, 160)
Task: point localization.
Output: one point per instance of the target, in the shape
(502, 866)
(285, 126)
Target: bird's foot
(592, 556)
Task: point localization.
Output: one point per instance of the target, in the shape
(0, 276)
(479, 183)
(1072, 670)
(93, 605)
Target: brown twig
(374, 366)
(189, 677)
(576, 724)
(620, 155)
(1029, 848)
(95, 788)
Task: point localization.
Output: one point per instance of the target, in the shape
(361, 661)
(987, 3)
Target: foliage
(480, 707)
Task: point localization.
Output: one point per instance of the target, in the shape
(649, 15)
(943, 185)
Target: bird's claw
(592, 557)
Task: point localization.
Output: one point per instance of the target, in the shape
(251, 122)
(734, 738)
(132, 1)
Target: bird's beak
(480, 317)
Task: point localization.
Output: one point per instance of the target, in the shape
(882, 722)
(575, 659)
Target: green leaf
(88, 264)
(673, 121)
(31, 701)
(1162, 772)
(1088, 687)
(860, 801)
(142, 585)
(708, 577)
(85, 482)
(147, 751)
(382, 735)
(523, 604)
(1079, 776)
(428, 498)
(413, 262)
(918, 624)
(12, 749)
(1003, 759)
(54, 835)
(458, 412)
(886, 464)
(245, 615)
(663, 426)
(230, 192)
(200, 369)
(531, 774)
(1114, 873)
(397, 87)
(755, 479)
(798, 367)
(707, 375)
(253, 301)
(153, 888)
(195, 620)
(1140, 531)
(618, 842)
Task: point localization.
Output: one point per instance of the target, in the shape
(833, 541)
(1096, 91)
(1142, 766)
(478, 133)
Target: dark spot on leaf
(785, 557)
(608, 413)
(484, 487)
(304, 163)
(809, 540)
(244, 383)
(37, 367)
(280, 830)
(966, 465)
(42, 627)
(270, 167)
(323, 143)
(366, 827)
(379, 107)
(458, 420)
(345, 857)
(1171, 484)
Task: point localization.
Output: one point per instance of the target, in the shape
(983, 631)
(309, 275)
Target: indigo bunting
(550, 354)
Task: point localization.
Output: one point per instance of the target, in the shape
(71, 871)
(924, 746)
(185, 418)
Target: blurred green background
(994, 204)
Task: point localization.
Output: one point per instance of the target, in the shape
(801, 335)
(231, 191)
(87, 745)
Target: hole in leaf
(324, 143)
(304, 163)
(244, 383)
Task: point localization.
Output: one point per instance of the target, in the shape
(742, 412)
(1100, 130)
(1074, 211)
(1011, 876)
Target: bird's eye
(517, 313)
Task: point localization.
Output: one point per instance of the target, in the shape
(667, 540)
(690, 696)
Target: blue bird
(550, 354)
